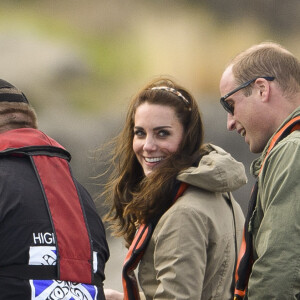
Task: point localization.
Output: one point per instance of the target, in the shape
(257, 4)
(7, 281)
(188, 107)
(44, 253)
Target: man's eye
(230, 103)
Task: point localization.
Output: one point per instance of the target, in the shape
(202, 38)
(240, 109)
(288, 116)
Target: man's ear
(263, 88)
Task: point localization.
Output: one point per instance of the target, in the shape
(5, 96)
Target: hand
(113, 295)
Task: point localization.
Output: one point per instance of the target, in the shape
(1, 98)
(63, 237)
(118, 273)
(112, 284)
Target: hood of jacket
(217, 171)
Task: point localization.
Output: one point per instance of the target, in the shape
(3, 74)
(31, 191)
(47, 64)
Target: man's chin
(255, 149)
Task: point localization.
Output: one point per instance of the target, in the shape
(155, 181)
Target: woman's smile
(153, 159)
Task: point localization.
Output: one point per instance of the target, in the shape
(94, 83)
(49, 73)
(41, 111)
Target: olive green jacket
(191, 254)
(275, 223)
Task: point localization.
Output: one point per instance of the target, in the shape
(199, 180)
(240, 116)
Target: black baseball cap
(11, 97)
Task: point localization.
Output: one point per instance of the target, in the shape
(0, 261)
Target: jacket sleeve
(180, 255)
(276, 224)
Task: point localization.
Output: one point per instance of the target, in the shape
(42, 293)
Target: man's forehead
(227, 81)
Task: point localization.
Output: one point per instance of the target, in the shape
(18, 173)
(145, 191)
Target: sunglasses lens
(227, 107)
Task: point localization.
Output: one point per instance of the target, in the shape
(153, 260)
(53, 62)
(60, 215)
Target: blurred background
(80, 62)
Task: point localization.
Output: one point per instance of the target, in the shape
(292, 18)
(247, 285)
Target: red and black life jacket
(73, 241)
(245, 259)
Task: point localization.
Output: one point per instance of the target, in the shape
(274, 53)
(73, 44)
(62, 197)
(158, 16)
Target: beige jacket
(192, 252)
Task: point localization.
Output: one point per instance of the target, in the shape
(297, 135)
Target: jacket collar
(256, 164)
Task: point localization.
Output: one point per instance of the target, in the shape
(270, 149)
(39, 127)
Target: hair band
(173, 91)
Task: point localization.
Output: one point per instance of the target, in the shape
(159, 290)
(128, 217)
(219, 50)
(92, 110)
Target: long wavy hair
(132, 197)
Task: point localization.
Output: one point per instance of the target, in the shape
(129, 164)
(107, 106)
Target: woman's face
(157, 133)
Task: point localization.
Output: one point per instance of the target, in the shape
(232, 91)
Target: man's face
(249, 113)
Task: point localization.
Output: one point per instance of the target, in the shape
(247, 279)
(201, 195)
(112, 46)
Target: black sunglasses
(229, 108)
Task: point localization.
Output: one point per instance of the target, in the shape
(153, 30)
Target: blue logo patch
(57, 290)
(62, 290)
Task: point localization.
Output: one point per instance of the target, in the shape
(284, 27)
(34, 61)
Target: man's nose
(230, 122)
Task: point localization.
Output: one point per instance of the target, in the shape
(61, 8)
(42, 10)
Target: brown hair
(15, 115)
(268, 59)
(132, 197)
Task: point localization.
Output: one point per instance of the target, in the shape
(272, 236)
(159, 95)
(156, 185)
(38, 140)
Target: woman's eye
(139, 133)
(163, 133)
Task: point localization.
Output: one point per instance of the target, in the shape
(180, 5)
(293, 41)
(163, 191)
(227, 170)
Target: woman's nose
(230, 122)
(150, 144)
